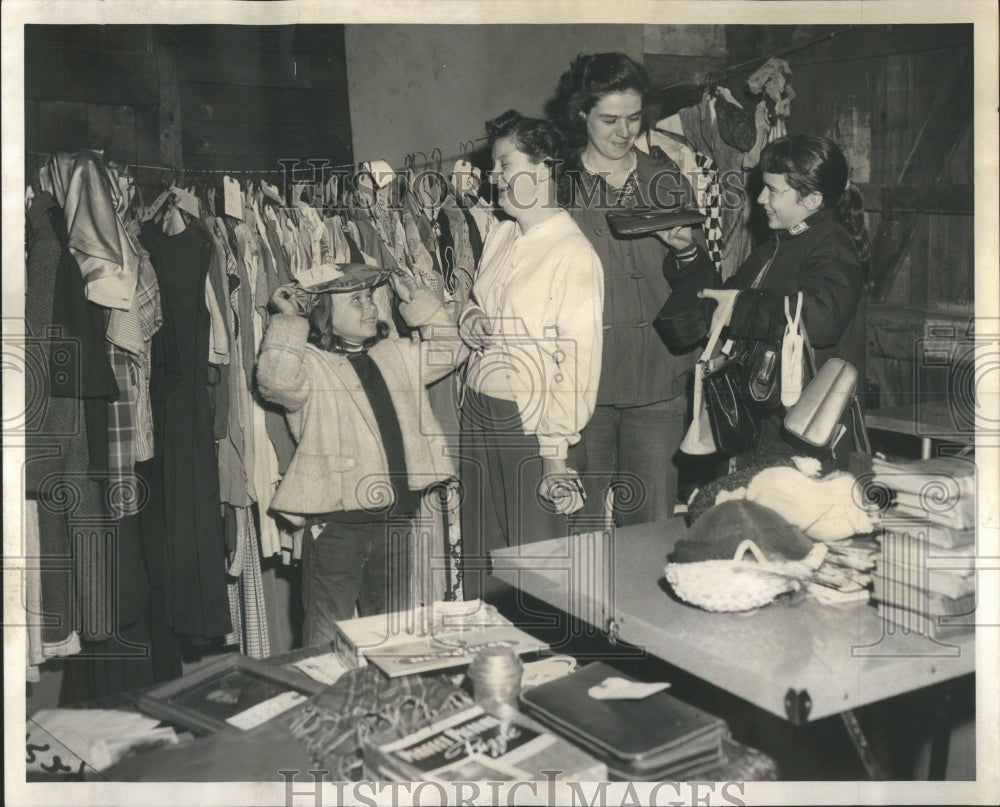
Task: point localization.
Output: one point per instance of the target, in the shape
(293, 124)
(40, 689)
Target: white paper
(263, 712)
(326, 668)
(101, 737)
(546, 669)
(623, 689)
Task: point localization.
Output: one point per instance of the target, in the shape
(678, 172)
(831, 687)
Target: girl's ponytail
(850, 210)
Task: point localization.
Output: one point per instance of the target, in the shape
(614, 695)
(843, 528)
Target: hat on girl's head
(332, 277)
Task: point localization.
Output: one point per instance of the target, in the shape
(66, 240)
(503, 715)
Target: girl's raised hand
(403, 285)
(285, 299)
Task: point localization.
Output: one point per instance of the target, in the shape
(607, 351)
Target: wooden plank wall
(679, 60)
(870, 89)
(189, 97)
(92, 86)
(253, 95)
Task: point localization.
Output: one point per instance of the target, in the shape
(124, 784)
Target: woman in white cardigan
(534, 324)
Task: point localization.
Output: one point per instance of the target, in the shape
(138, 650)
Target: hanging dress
(186, 468)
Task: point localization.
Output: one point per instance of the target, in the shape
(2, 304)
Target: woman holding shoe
(641, 406)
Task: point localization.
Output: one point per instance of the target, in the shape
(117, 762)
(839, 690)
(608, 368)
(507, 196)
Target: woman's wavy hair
(818, 165)
(537, 138)
(321, 330)
(589, 78)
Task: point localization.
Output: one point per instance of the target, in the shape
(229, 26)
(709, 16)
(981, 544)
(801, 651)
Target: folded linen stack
(925, 577)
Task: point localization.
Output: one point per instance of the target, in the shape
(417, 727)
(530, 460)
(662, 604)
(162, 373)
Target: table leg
(857, 735)
(925, 448)
(940, 733)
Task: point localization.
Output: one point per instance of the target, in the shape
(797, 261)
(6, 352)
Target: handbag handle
(796, 322)
(793, 322)
(808, 350)
(720, 318)
(760, 275)
(694, 442)
(748, 545)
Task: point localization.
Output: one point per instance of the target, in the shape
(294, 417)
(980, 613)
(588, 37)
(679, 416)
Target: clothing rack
(466, 148)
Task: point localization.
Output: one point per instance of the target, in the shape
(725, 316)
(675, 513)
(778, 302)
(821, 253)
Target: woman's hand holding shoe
(679, 239)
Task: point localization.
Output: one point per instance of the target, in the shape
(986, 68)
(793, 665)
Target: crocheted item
(335, 723)
(738, 585)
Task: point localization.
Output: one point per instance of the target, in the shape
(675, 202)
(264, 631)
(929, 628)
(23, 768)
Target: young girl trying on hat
(367, 442)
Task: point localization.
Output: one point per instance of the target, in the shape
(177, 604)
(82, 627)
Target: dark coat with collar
(821, 262)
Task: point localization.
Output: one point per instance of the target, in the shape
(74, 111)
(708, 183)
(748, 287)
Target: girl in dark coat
(819, 246)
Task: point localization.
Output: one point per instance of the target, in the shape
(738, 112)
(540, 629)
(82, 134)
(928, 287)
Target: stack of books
(941, 490)
(926, 587)
(474, 745)
(925, 578)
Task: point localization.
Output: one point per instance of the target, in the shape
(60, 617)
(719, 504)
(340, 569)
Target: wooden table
(936, 420)
(800, 661)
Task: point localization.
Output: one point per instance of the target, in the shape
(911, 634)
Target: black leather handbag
(762, 379)
(735, 423)
(758, 330)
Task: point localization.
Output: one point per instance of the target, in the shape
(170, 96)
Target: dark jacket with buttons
(637, 367)
(820, 261)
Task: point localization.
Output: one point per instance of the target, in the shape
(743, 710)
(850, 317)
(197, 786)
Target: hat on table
(723, 527)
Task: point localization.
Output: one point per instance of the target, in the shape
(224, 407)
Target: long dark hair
(321, 331)
(589, 78)
(817, 165)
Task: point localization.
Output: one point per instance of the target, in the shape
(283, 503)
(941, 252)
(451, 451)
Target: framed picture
(234, 691)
